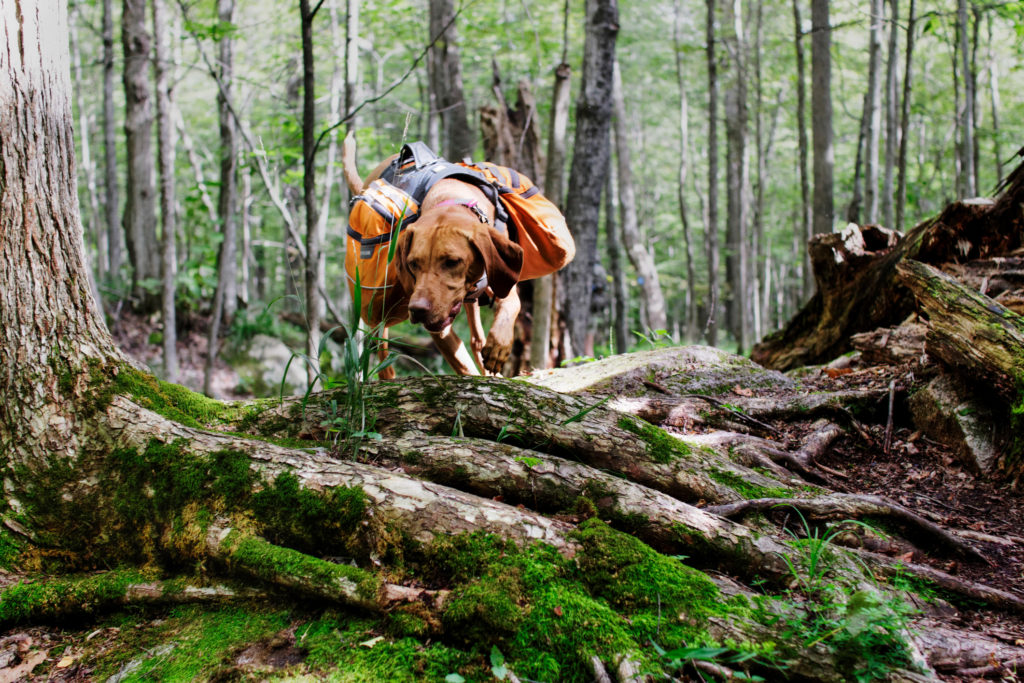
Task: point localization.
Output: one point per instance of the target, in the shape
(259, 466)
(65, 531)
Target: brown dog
(439, 261)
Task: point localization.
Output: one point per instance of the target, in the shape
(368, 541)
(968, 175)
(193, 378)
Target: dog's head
(442, 256)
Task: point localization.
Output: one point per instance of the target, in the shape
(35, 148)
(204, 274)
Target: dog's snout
(418, 309)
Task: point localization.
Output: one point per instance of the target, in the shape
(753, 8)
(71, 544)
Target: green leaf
(454, 678)
(498, 667)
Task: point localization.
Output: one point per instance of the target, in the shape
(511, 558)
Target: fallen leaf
(837, 372)
(19, 672)
(558, 610)
(740, 391)
(371, 642)
(905, 557)
(65, 662)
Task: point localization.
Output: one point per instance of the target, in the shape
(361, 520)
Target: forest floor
(285, 640)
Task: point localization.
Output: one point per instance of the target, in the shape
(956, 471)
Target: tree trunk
(711, 229)
(967, 141)
(737, 177)
(445, 66)
(821, 116)
(353, 77)
(762, 149)
(801, 122)
(873, 113)
(908, 72)
(891, 120)
(589, 165)
(313, 238)
(620, 287)
(993, 84)
(165, 161)
(690, 322)
(226, 296)
(115, 233)
(639, 255)
(140, 207)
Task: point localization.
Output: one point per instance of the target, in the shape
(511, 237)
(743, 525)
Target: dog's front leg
(477, 337)
(454, 351)
(499, 340)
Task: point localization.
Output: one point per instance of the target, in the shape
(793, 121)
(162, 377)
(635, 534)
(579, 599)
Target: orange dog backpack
(392, 202)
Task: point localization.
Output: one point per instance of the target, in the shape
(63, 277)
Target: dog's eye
(452, 262)
(413, 266)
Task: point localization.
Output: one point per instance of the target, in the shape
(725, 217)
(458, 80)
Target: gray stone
(948, 413)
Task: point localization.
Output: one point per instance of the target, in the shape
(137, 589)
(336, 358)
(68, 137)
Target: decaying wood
(858, 287)
(968, 330)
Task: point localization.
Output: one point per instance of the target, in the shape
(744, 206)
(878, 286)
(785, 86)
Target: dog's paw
(477, 343)
(495, 354)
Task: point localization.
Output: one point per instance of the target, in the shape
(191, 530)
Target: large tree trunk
(140, 204)
(589, 166)
(313, 229)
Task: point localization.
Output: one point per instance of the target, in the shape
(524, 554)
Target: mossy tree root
(75, 597)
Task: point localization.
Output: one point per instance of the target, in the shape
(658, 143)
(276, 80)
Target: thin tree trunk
(247, 289)
(197, 167)
(313, 241)
(762, 151)
(140, 209)
(445, 66)
(94, 229)
(613, 243)
(975, 109)
(737, 177)
(873, 114)
(690, 326)
(993, 84)
(639, 255)
(589, 164)
(352, 71)
(165, 161)
(802, 144)
(901, 164)
(967, 127)
(891, 120)
(115, 234)
(336, 92)
(711, 230)
(853, 211)
(821, 115)
(226, 297)
(543, 288)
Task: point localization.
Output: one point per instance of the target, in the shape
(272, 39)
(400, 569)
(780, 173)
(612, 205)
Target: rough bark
(314, 238)
(115, 233)
(589, 166)
(620, 289)
(802, 145)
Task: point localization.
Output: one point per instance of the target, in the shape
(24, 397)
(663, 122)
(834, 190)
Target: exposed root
(854, 506)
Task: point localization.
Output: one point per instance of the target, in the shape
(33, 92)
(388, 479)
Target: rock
(949, 414)
(261, 365)
(670, 371)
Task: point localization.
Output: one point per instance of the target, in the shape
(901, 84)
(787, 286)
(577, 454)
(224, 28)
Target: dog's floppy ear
(401, 266)
(503, 259)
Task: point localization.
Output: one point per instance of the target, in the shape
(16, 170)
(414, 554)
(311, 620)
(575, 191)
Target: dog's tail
(348, 164)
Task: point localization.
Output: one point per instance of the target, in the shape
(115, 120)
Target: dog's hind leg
(454, 351)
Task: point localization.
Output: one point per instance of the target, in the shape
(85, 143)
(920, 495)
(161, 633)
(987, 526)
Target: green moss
(661, 446)
(36, 600)
(173, 401)
(10, 548)
(486, 608)
(745, 488)
(347, 650)
(313, 521)
(189, 643)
